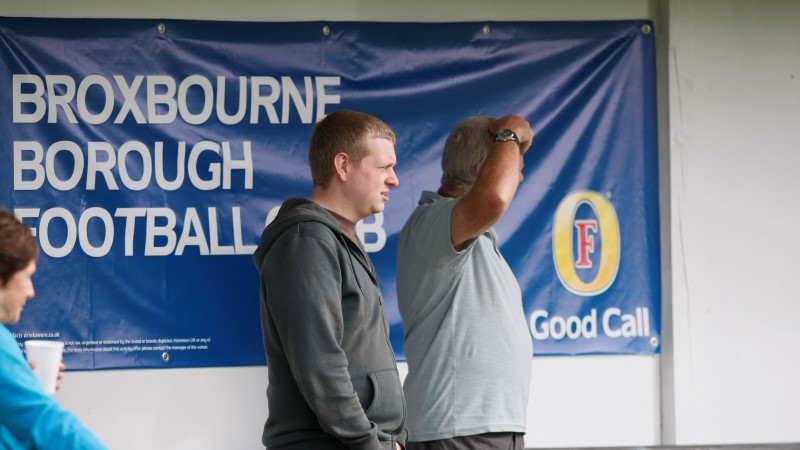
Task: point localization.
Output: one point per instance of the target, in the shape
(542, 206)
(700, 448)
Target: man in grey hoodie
(333, 379)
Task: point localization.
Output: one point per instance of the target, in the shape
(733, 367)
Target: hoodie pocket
(386, 408)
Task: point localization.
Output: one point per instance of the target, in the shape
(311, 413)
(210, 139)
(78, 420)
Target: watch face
(505, 135)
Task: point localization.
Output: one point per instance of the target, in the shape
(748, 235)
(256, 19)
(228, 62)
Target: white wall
(730, 82)
(586, 401)
(734, 103)
(360, 10)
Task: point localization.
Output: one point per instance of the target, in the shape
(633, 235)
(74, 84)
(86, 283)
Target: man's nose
(392, 180)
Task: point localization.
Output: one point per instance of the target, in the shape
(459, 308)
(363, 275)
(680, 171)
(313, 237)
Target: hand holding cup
(44, 358)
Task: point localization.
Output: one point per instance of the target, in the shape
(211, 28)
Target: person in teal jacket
(29, 418)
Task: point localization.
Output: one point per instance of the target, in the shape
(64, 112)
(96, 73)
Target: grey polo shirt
(467, 342)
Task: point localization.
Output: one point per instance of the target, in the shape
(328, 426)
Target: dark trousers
(486, 441)
(325, 444)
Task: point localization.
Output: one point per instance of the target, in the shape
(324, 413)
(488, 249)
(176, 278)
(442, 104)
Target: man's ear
(341, 164)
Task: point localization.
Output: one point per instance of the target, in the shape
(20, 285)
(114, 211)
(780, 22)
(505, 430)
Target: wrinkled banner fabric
(147, 157)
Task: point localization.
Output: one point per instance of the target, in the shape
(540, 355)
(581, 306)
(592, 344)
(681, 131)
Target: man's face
(15, 292)
(373, 177)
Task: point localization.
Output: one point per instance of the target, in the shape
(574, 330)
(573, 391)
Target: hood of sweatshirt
(292, 212)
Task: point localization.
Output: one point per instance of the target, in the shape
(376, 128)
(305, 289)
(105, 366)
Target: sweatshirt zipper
(394, 361)
(384, 320)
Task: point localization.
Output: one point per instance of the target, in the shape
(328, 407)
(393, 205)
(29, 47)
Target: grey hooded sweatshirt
(333, 380)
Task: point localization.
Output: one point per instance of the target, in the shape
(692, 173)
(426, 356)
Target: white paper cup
(47, 357)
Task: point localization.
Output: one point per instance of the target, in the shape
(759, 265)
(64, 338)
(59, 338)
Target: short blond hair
(342, 131)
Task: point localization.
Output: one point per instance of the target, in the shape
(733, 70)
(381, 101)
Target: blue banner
(147, 157)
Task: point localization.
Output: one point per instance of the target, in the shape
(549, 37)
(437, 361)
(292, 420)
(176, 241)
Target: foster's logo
(586, 243)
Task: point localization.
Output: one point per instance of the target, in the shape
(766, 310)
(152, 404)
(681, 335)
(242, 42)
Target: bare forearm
(493, 191)
(496, 185)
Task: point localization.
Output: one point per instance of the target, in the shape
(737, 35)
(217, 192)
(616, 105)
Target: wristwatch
(506, 135)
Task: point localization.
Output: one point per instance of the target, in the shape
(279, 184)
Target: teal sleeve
(29, 418)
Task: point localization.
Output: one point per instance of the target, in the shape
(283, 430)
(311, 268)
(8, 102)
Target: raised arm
(497, 182)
